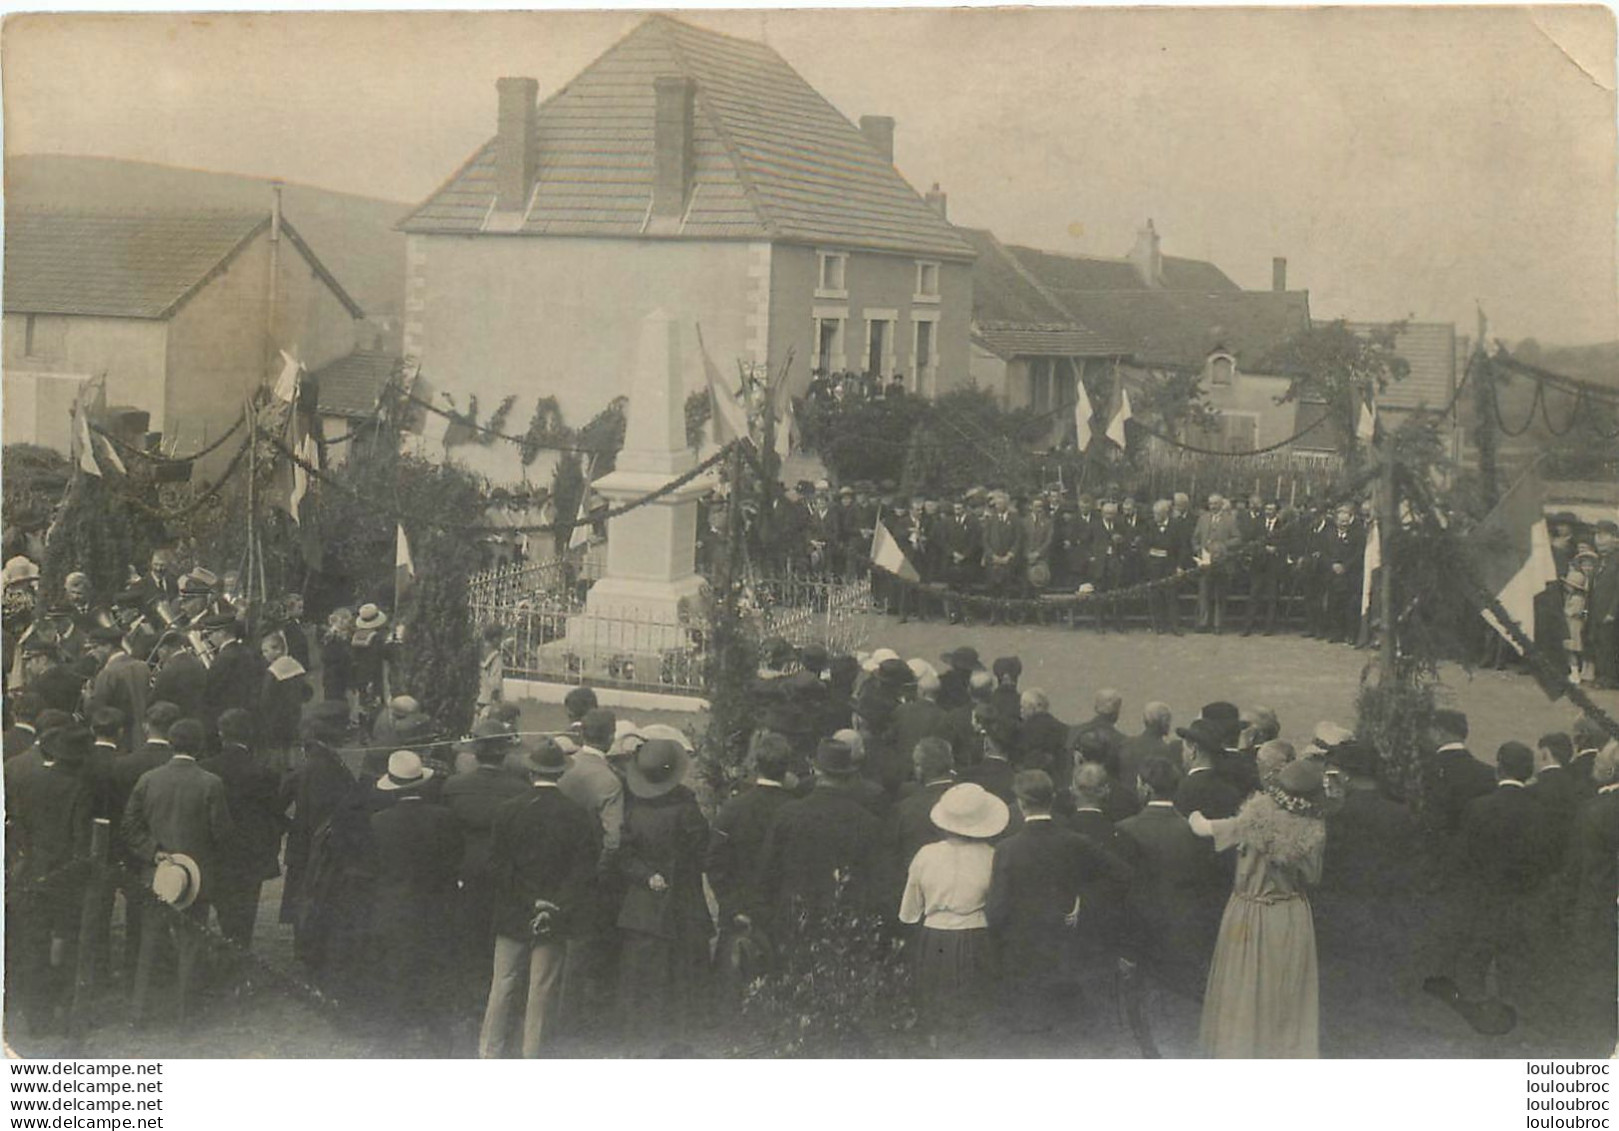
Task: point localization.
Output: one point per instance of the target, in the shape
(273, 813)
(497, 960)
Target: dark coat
(313, 793)
(474, 798)
(1138, 748)
(59, 688)
(953, 688)
(48, 815)
(1503, 842)
(810, 839)
(665, 836)
(183, 681)
(1034, 883)
(914, 721)
(1593, 877)
(910, 825)
(1113, 741)
(415, 856)
(995, 775)
(180, 807)
(1101, 932)
(541, 846)
(1374, 849)
(1206, 792)
(734, 847)
(1449, 780)
(235, 680)
(252, 793)
(125, 683)
(279, 708)
(17, 738)
(1557, 791)
(1177, 892)
(1042, 744)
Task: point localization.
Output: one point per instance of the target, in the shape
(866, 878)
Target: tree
(1343, 369)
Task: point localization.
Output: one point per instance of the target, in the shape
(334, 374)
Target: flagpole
(1388, 521)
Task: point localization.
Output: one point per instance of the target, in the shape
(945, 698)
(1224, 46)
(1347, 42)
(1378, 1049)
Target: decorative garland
(493, 433)
(196, 504)
(157, 457)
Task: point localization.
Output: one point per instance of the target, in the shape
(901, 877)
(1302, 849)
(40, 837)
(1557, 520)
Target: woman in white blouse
(945, 892)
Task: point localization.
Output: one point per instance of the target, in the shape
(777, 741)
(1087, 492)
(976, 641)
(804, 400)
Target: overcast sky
(1405, 161)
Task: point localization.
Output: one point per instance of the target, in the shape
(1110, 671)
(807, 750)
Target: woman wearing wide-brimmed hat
(663, 920)
(945, 891)
(1263, 995)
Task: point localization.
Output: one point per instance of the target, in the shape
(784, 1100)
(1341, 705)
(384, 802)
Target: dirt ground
(1303, 680)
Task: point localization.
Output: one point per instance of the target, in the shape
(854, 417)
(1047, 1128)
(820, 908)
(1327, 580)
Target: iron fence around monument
(551, 638)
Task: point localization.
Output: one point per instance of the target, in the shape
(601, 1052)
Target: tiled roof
(1014, 317)
(126, 265)
(1099, 273)
(352, 385)
(1429, 348)
(773, 159)
(1182, 328)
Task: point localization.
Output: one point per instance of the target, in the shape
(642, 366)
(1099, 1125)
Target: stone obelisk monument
(634, 610)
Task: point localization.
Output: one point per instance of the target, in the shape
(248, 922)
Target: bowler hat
(1007, 666)
(657, 768)
(970, 810)
(964, 659)
(546, 757)
(895, 673)
(69, 743)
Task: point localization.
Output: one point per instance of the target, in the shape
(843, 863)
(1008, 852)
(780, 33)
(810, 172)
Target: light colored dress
(946, 890)
(1263, 995)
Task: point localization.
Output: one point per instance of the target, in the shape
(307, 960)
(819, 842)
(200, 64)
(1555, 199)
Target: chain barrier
(157, 457)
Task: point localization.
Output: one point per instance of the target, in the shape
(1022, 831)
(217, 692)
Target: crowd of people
(1285, 564)
(502, 889)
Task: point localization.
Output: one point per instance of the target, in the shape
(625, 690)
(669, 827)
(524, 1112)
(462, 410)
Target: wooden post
(94, 926)
(1388, 531)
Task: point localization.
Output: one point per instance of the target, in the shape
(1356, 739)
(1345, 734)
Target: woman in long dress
(1263, 995)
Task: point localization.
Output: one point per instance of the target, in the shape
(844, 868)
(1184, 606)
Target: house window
(1321, 437)
(1040, 384)
(1222, 368)
(878, 339)
(923, 358)
(833, 281)
(829, 343)
(927, 282)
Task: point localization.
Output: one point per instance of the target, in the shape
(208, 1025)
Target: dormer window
(1222, 368)
(833, 282)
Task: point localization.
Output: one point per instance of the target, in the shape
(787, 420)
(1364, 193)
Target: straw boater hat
(657, 768)
(370, 617)
(405, 771)
(177, 881)
(972, 811)
(875, 660)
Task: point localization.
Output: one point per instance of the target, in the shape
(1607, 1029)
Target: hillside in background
(353, 235)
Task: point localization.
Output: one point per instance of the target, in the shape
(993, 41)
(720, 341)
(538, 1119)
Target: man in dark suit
(125, 683)
(995, 772)
(1558, 793)
(1002, 535)
(1343, 549)
(1118, 800)
(961, 551)
(1589, 738)
(910, 824)
(1593, 885)
(1035, 902)
(416, 852)
(1160, 539)
(1449, 777)
(177, 808)
(22, 733)
(1042, 737)
(811, 838)
(1101, 928)
(237, 671)
(543, 850)
(1203, 790)
(253, 854)
(1152, 742)
(1177, 892)
(1602, 613)
(920, 718)
(1272, 539)
(738, 835)
(181, 678)
(1105, 726)
(1502, 853)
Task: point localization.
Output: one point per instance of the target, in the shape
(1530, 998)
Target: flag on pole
(886, 552)
(404, 565)
(1115, 427)
(580, 534)
(1366, 422)
(1514, 552)
(730, 418)
(1371, 560)
(286, 385)
(1082, 417)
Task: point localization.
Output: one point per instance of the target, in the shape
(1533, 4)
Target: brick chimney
(515, 158)
(1278, 274)
(1149, 263)
(672, 154)
(879, 130)
(938, 201)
